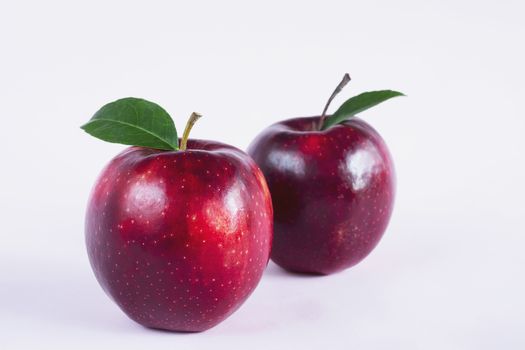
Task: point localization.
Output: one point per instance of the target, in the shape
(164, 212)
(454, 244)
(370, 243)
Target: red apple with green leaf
(332, 183)
(177, 235)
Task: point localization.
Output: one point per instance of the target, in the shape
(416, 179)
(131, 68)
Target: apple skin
(180, 239)
(332, 191)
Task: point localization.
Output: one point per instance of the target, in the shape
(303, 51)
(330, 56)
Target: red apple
(332, 189)
(179, 239)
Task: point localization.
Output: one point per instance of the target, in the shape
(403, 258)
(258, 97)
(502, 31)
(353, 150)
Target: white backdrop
(449, 273)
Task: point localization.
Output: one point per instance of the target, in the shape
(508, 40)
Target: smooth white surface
(449, 273)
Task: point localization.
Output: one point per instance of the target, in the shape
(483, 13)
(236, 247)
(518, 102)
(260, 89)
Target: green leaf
(357, 104)
(136, 122)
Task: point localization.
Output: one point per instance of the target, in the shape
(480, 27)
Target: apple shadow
(66, 294)
(60, 294)
(275, 271)
(272, 311)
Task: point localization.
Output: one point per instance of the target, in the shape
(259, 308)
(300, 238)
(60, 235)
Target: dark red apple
(180, 238)
(332, 191)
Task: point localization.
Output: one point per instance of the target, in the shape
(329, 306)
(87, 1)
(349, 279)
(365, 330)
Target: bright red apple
(332, 187)
(179, 238)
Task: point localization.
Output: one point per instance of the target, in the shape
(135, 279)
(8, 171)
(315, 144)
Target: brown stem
(338, 89)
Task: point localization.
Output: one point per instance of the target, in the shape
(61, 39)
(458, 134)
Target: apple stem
(338, 89)
(191, 121)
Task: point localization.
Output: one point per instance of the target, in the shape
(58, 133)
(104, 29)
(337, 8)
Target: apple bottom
(325, 241)
(157, 295)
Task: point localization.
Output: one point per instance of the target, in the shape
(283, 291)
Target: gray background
(448, 273)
